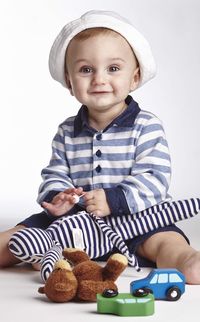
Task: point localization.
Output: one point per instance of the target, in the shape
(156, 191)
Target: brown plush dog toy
(85, 279)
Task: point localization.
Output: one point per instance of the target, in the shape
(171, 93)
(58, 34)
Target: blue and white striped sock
(30, 244)
(49, 260)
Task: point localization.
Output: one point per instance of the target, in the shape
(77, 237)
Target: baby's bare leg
(171, 250)
(6, 258)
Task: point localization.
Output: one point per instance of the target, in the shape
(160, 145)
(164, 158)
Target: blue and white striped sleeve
(149, 180)
(56, 175)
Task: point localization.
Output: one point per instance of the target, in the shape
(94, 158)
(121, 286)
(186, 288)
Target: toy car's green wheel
(173, 294)
(109, 293)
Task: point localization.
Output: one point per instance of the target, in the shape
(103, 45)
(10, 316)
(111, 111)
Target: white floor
(20, 301)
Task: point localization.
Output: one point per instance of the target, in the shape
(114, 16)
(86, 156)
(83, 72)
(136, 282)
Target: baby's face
(101, 70)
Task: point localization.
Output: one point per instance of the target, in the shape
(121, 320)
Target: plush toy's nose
(63, 287)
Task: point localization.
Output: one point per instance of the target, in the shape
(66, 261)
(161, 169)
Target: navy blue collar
(126, 119)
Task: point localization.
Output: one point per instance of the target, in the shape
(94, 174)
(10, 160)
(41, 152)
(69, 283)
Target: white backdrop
(32, 104)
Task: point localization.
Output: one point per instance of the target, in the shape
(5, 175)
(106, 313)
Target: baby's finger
(88, 195)
(69, 190)
(62, 196)
(69, 198)
(79, 191)
(89, 202)
(91, 208)
(48, 206)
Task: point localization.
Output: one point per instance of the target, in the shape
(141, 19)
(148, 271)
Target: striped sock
(49, 260)
(30, 244)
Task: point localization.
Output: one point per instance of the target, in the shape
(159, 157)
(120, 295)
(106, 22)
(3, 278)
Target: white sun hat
(107, 19)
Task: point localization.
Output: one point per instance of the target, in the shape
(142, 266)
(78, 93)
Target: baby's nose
(99, 78)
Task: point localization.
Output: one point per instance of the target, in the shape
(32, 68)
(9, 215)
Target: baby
(112, 153)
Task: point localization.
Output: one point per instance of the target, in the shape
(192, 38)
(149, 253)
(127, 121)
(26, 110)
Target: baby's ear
(68, 83)
(135, 79)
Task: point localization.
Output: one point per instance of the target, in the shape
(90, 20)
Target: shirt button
(98, 153)
(98, 168)
(99, 137)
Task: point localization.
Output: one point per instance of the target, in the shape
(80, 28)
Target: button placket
(98, 153)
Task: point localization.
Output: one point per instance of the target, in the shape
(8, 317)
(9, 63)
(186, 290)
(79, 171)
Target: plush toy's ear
(60, 287)
(62, 264)
(116, 264)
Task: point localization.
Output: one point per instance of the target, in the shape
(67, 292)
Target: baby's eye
(86, 69)
(113, 68)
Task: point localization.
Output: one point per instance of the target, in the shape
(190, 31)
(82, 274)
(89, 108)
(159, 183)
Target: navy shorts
(43, 220)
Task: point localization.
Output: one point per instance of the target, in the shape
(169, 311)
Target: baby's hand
(96, 203)
(63, 201)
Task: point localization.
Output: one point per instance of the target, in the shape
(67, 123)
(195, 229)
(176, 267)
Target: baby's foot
(191, 268)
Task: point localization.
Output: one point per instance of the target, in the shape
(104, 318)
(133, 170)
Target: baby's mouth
(99, 92)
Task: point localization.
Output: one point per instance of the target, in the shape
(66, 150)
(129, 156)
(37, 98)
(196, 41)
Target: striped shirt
(129, 159)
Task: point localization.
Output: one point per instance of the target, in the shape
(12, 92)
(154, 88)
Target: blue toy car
(164, 284)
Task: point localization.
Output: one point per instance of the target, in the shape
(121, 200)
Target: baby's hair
(93, 32)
